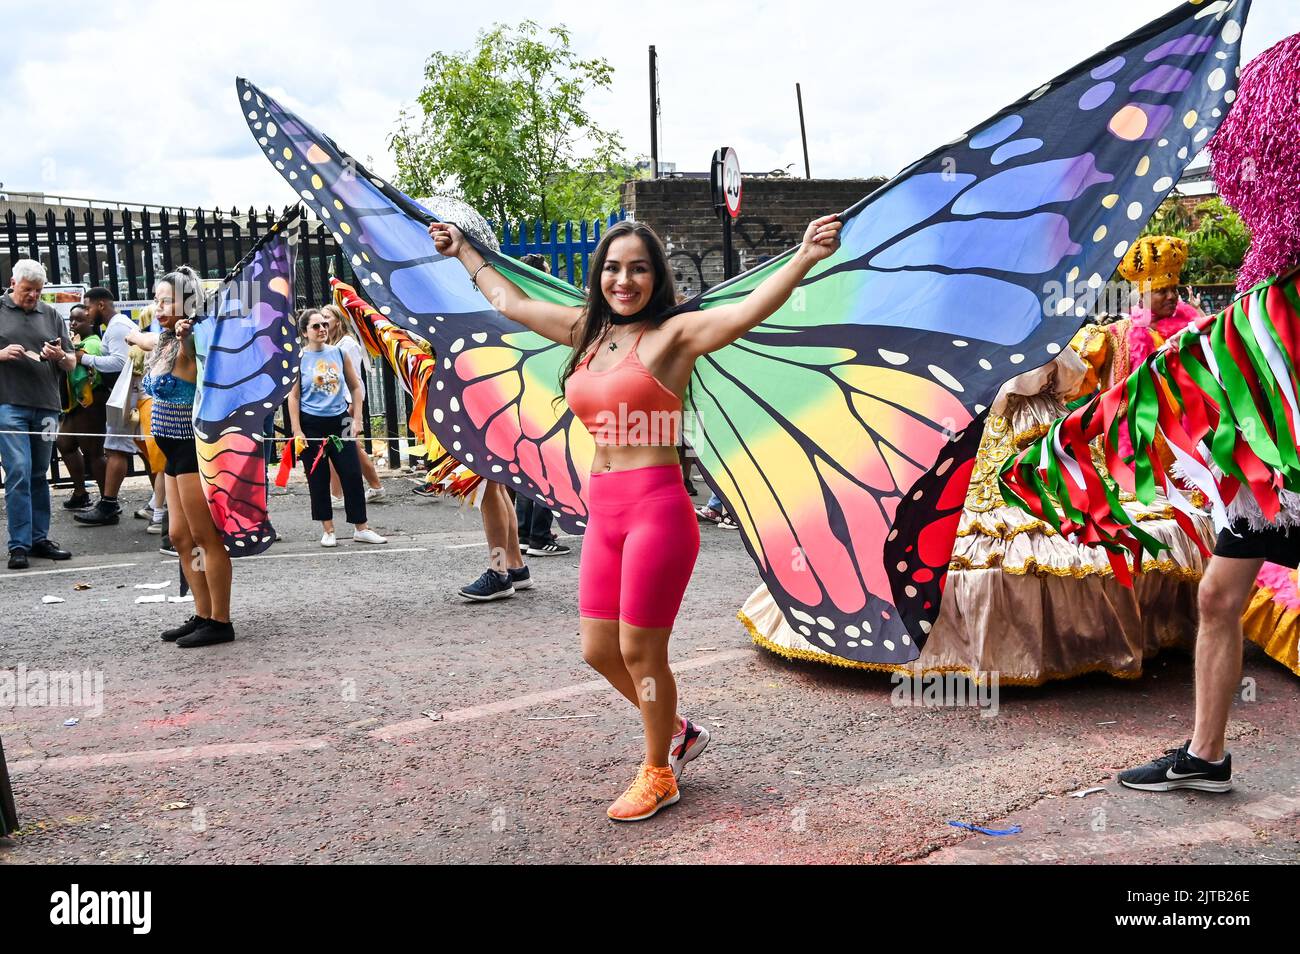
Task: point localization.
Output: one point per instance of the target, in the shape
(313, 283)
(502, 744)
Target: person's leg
(600, 651)
(16, 458)
(318, 478)
(92, 449)
(645, 654)
(336, 486)
(368, 470)
(92, 421)
(183, 541)
(687, 461)
(1221, 599)
(659, 552)
(160, 497)
(524, 519)
(107, 510)
(42, 452)
(211, 559)
(501, 529)
(116, 465)
(348, 469)
(70, 453)
(540, 527)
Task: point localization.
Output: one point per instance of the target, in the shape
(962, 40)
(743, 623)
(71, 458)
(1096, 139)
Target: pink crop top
(626, 404)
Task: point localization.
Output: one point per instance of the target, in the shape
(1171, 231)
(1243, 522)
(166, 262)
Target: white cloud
(136, 102)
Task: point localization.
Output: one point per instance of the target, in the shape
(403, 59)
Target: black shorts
(1279, 545)
(182, 455)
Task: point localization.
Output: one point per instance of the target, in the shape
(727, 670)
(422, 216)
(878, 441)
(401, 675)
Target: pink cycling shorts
(640, 546)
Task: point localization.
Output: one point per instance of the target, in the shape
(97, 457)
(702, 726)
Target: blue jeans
(715, 502)
(26, 462)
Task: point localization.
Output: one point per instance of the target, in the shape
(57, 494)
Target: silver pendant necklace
(613, 345)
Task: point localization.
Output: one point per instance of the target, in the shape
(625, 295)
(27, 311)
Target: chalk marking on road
(180, 754)
(415, 726)
(1273, 807)
(1184, 836)
(290, 746)
(22, 574)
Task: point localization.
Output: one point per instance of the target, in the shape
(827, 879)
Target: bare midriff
(631, 456)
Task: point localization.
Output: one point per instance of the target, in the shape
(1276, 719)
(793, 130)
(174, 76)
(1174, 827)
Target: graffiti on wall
(754, 239)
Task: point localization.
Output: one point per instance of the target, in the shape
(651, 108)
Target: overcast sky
(135, 102)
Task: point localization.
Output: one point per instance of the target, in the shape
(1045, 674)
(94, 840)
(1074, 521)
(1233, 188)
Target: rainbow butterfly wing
(826, 429)
(250, 364)
(848, 489)
(492, 404)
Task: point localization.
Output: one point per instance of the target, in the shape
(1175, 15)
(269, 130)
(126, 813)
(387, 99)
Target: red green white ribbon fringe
(1223, 395)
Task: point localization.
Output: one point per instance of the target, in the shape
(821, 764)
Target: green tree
(504, 126)
(1219, 243)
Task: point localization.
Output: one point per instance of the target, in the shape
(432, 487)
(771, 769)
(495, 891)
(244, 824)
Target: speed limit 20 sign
(727, 186)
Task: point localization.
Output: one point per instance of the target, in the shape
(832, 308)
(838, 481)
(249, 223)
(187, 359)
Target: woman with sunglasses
(318, 412)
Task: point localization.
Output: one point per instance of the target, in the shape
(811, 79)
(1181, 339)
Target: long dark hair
(596, 314)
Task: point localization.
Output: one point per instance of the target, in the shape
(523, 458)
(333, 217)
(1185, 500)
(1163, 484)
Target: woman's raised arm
(556, 322)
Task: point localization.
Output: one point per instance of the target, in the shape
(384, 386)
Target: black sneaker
(77, 502)
(490, 586)
(1177, 769)
(520, 578)
(426, 490)
(18, 559)
(166, 548)
(100, 515)
(550, 548)
(209, 634)
(184, 629)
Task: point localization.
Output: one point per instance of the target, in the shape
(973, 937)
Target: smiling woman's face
(628, 279)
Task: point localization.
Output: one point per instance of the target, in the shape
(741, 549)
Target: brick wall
(773, 216)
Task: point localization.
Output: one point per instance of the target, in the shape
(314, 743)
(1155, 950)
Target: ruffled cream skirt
(1031, 606)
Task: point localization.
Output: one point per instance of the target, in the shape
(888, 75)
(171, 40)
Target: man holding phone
(35, 353)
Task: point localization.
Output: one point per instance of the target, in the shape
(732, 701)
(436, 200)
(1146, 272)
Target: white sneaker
(367, 536)
(327, 539)
(336, 501)
(375, 493)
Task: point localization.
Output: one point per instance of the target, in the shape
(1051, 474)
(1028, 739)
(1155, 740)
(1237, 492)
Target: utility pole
(803, 133)
(654, 117)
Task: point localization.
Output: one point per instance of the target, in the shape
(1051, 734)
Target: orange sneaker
(654, 788)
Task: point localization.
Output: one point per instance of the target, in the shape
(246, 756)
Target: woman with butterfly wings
(171, 381)
(632, 359)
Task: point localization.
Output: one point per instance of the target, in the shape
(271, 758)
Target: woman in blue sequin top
(170, 377)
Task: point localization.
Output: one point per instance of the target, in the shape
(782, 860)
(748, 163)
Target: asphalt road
(308, 739)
